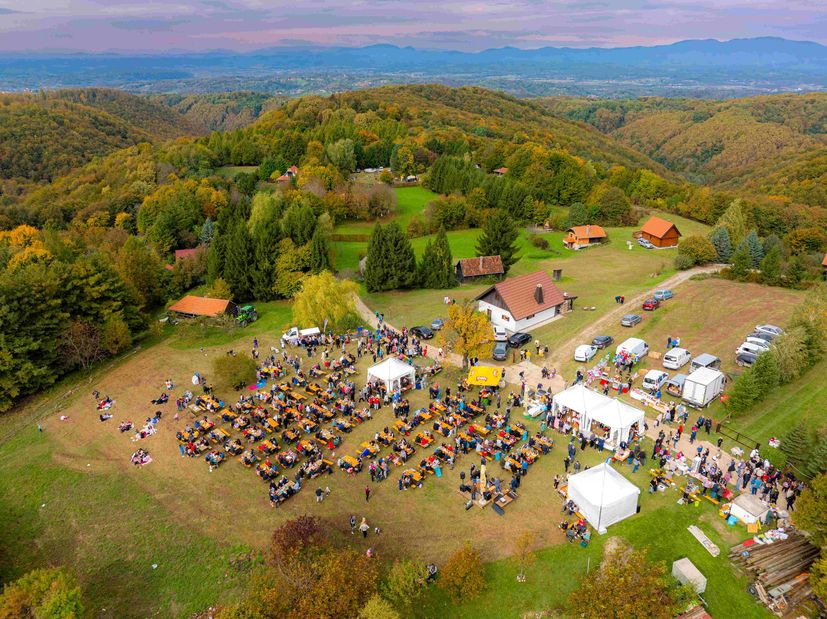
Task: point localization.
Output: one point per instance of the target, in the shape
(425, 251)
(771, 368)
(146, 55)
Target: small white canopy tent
(619, 417)
(603, 496)
(391, 372)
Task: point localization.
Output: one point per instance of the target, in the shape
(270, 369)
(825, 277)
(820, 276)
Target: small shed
(686, 573)
(578, 237)
(191, 306)
(748, 508)
(660, 233)
(482, 266)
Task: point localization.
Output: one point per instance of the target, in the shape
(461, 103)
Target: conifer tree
(402, 267)
(578, 215)
(818, 460)
(207, 232)
(498, 238)
(437, 269)
(767, 374)
(319, 252)
(796, 445)
(377, 264)
(756, 250)
(237, 263)
(723, 245)
(771, 266)
(741, 261)
(744, 393)
(266, 250)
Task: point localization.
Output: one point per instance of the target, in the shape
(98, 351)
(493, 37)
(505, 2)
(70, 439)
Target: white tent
(391, 372)
(579, 398)
(619, 417)
(603, 496)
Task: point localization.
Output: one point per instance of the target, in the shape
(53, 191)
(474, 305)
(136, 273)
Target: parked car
(437, 324)
(519, 339)
(705, 360)
(603, 341)
(630, 320)
(500, 351)
(676, 358)
(750, 348)
(644, 243)
(500, 334)
(758, 342)
(745, 359)
(650, 305)
(771, 329)
(654, 380)
(663, 295)
(767, 337)
(423, 333)
(584, 352)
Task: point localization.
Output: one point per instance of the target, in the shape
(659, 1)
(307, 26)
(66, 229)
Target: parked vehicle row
(756, 343)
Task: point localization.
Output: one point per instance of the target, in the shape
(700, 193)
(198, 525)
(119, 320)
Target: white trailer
(702, 386)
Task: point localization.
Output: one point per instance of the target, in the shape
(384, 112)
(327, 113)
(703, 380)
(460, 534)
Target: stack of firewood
(781, 571)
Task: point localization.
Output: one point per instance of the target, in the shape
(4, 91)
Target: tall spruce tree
(498, 238)
(741, 261)
(403, 273)
(723, 245)
(771, 266)
(207, 232)
(756, 250)
(437, 268)
(238, 261)
(266, 249)
(818, 460)
(319, 252)
(797, 445)
(377, 266)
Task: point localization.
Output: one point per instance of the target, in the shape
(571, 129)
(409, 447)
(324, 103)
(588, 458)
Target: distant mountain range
(724, 68)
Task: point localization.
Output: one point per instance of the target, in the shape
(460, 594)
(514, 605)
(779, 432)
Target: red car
(651, 304)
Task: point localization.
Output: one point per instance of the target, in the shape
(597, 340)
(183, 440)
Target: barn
(660, 233)
(469, 269)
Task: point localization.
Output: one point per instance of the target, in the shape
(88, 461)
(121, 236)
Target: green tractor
(246, 314)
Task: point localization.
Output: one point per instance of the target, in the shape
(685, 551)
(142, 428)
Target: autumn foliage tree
(462, 575)
(626, 585)
(467, 332)
(325, 299)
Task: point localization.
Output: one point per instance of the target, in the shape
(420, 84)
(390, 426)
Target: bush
(386, 177)
(115, 336)
(539, 241)
(378, 608)
(699, 249)
(683, 262)
(231, 371)
(462, 575)
(418, 227)
(403, 584)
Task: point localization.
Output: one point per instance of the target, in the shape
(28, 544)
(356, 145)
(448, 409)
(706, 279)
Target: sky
(244, 25)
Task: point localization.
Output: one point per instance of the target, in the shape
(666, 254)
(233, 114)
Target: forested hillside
(105, 230)
(719, 142)
(220, 111)
(46, 135)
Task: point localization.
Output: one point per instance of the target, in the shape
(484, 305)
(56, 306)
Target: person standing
(364, 527)
(367, 494)
(353, 524)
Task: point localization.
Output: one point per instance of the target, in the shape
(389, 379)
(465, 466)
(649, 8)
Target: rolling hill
(716, 142)
(221, 111)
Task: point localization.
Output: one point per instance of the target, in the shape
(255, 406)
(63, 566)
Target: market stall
(617, 422)
(393, 373)
(576, 402)
(603, 496)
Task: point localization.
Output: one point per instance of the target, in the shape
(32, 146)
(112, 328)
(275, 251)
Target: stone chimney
(538, 294)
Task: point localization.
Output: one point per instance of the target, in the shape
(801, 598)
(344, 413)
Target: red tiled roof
(200, 306)
(293, 169)
(588, 232)
(483, 265)
(501, 170)
(519, 294)
(658, 227)
(180, 254)
(283, 178)
(824, 262)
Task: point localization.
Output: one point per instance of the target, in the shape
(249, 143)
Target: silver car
(630, 320)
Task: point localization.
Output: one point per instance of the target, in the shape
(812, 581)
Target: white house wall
(503, 318)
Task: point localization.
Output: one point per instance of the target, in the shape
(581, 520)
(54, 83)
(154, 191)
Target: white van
(676, 358)
(500, 334)
(654, 379)
(755, 349)
(634, 346)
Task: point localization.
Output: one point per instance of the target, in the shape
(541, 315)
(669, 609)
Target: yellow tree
(324, 298)
(467, 332)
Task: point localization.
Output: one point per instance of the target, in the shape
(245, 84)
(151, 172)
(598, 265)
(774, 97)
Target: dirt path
(558, 356)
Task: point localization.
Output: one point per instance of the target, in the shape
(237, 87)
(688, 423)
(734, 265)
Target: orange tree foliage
(462, 575)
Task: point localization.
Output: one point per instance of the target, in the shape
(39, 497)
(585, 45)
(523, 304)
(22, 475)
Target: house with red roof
(660, 233)
(525, 302)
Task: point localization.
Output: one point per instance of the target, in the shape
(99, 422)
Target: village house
(660, 233)
(289, 175)
(483, 266)
(579, 237)
(524, 302)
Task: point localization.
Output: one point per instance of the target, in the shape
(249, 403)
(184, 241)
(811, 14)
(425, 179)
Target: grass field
(410, 203)
(229, 171)
(69, 495)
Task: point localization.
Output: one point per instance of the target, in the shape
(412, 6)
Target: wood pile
(781, 571)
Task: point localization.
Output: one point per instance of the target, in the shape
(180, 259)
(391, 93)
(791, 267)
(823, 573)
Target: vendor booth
(616, 422)
(575, 402)
(393, 373)
(749, 509)
(603, 496)
(484, 376)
